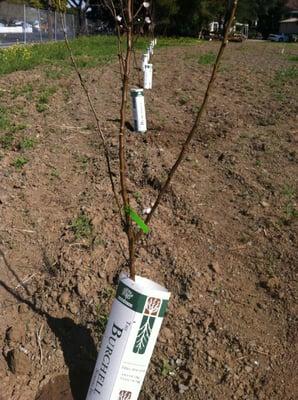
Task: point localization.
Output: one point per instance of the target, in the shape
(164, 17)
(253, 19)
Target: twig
(240, 246)
(26, 280)
(38, 337)
(122, 138)
(92, 107)
(198, 117)
(8, 266)
(107, 260)
(18, 230)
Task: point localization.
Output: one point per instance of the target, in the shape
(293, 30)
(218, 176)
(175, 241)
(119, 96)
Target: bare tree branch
(198, 117)
(92, 107)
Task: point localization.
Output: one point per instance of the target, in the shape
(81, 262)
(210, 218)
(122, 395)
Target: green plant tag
(137, 219)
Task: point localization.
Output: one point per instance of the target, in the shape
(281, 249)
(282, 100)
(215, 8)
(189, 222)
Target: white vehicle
(36, 26)
(278, 38)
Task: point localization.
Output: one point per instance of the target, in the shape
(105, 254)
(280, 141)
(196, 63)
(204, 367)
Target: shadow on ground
(79, 353)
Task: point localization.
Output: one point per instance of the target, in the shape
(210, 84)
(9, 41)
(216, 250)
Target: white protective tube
(145, 60)
(139, 110)
(130, 337)
(148, 76)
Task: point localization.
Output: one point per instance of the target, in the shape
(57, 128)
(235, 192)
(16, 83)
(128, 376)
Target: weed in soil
(290, 209)
(54, 173)
(19, 162)
(23, 90)
(293, 58)
(82, 227)
(28, 143)
(167, 369)
(83, 161)
(44, 98)
(207, 58)
(102, 323)
(6, 141)
(4, 120)
(286, 74)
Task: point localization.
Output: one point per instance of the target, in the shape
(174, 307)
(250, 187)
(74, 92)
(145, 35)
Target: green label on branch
(137, 219)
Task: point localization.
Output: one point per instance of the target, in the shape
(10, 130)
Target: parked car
(278, 38)
(36, 26)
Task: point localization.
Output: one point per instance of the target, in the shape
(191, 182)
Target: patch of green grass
(91, 51)
(290, 209)
(207, 58)
(171, 41)
(56, 73)
(6, 125)
(108, 293)
(293, 58)
(183, 100)
(4, 120)
(41, 107)
(167, 369)
(102, 322)
(289, 191)
(286, 74)
(83, 160)
(82, 227)
(279, 96)
(55, 173)
(24, 90)
(17, 127)
(27, 143)
(19, 162)
(6, 141)
(137, 196)
(98, 49)
(44, 98)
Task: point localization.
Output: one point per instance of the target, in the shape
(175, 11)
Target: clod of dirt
(207, 322)
(258, 146)
(64, 298)
(215, 267)
(154, 182)
(265, 204)
(56, 389)
(167, 334)
(18, 362)
(14, 335)
(182, 388)
(82, 291)
(271, 283)
(273, 287)
(74, 309)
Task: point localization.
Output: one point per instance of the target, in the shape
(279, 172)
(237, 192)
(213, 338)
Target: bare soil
(223, 242)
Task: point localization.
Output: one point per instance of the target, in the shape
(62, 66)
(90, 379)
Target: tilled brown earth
(223, 241)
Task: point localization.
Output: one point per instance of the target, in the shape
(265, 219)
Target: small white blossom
(146, 4)
(148, 20)
(118, 18)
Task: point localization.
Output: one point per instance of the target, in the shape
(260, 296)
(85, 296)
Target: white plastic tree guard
(129, 340)
(139, 110)
(148, 76)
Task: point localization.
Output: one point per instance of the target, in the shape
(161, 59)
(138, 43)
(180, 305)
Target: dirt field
(223, 241)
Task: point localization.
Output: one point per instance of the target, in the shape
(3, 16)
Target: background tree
(81, 7)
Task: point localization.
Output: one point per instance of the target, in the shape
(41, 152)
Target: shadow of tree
(78, 348)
